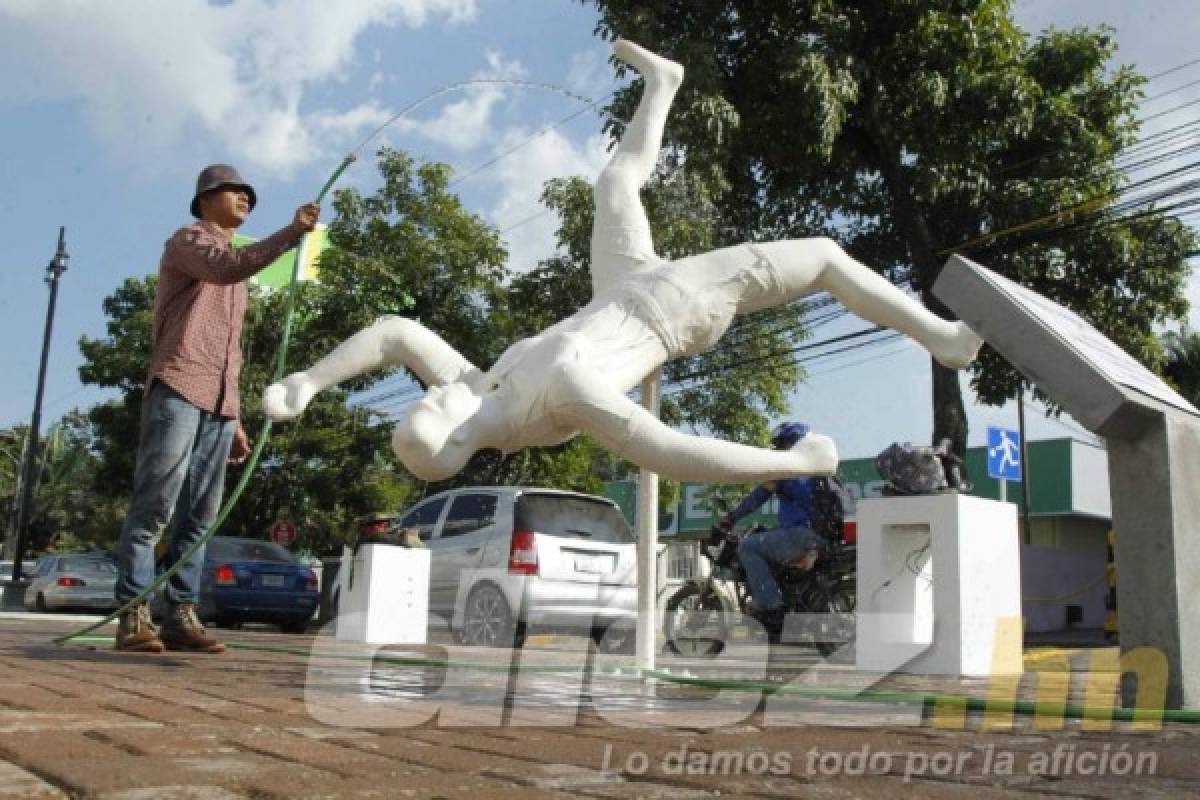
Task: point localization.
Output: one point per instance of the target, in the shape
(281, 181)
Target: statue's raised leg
(620, 231)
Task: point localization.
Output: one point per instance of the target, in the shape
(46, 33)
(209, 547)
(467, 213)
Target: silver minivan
(507, 560)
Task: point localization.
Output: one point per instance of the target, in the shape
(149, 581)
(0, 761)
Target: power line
(1179, 107)
(500, 157)
(1158, 75)
(1187, 85)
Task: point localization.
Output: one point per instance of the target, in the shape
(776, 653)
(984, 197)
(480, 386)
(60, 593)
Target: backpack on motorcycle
(912, 469)
(828, 511)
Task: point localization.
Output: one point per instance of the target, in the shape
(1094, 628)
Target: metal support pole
(58, 265)
(1024, 461)
(647, 545)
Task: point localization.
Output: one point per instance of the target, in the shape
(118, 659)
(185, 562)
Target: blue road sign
(1003, 454)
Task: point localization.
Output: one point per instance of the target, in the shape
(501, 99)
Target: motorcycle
(701, 614)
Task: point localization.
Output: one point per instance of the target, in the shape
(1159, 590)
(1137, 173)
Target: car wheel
(294, 627)
(487, 619)
(40, 603)
(696, 624)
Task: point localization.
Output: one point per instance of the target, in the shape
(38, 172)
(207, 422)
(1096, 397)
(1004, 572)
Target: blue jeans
(776, 546)
(182, 452)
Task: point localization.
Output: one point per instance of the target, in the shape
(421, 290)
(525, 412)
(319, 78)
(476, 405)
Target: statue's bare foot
(817, 455)
(652, 67)
(960, 349)
(289, 397)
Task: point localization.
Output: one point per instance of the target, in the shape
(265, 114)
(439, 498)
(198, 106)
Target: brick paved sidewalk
(80, 722)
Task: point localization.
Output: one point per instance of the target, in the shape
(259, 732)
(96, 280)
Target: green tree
(908, 129)
(410, 248)
(12, 442)
(68, 512)
(1183, 362)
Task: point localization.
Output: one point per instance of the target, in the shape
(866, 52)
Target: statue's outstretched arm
(627, 429)
(387, 342)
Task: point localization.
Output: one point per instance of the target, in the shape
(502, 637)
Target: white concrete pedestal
(939, 586)
(384, 597)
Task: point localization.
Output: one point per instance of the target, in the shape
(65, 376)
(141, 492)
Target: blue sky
(111, 108)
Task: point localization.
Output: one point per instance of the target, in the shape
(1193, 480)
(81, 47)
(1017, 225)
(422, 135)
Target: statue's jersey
(651, 316)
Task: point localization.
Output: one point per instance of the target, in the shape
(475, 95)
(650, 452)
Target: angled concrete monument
(1153, 438)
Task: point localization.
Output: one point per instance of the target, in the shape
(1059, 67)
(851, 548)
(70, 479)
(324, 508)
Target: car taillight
(375, 526)
(310, 581)
(225, 576)
(522, 556)
(850, 531)
(69, 581)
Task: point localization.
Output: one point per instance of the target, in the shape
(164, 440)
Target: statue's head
(438, 435)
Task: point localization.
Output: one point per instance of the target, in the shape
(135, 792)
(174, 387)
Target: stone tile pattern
(91, 723)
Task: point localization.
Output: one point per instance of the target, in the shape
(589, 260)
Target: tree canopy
(1183, 362)
(913, 130)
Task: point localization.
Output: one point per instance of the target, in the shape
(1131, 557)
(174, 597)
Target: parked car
(80, 581)
(252, 580)
(28, 568)
(504, 560)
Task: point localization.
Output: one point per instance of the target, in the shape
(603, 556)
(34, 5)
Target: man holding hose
(190, 427)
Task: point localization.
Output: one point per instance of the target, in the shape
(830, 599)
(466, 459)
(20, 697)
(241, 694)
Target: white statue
(574, 377)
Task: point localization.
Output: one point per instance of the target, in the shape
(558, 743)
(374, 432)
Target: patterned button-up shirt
(198, 311)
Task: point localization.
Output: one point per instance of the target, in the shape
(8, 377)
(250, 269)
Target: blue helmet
(787, 434)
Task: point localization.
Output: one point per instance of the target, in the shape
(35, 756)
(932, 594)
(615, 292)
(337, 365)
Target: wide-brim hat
(219, 176)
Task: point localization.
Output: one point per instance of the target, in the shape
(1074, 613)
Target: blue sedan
(251, 580)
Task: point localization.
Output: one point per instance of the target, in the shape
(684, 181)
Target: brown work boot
(136, 632)
(182, 631)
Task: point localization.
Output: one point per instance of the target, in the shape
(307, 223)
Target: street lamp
(15, 590)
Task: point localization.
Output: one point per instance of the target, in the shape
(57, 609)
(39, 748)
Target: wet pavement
(308, 717)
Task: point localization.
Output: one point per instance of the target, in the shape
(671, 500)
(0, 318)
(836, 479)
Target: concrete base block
(939, 586)
(384, 597)
(13, 596)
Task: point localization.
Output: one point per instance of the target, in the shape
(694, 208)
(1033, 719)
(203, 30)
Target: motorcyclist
(792, 542)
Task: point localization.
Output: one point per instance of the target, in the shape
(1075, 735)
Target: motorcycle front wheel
(696, 624)
(832, 631)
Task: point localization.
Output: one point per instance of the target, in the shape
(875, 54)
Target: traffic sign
(284, 533)
(1003, 454)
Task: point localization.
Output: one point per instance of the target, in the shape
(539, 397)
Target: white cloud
(464, 124)
(469, 123)
(589, 73)
(153, 77)
(520, 176)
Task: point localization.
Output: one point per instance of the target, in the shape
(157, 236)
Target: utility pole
(54, 271)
